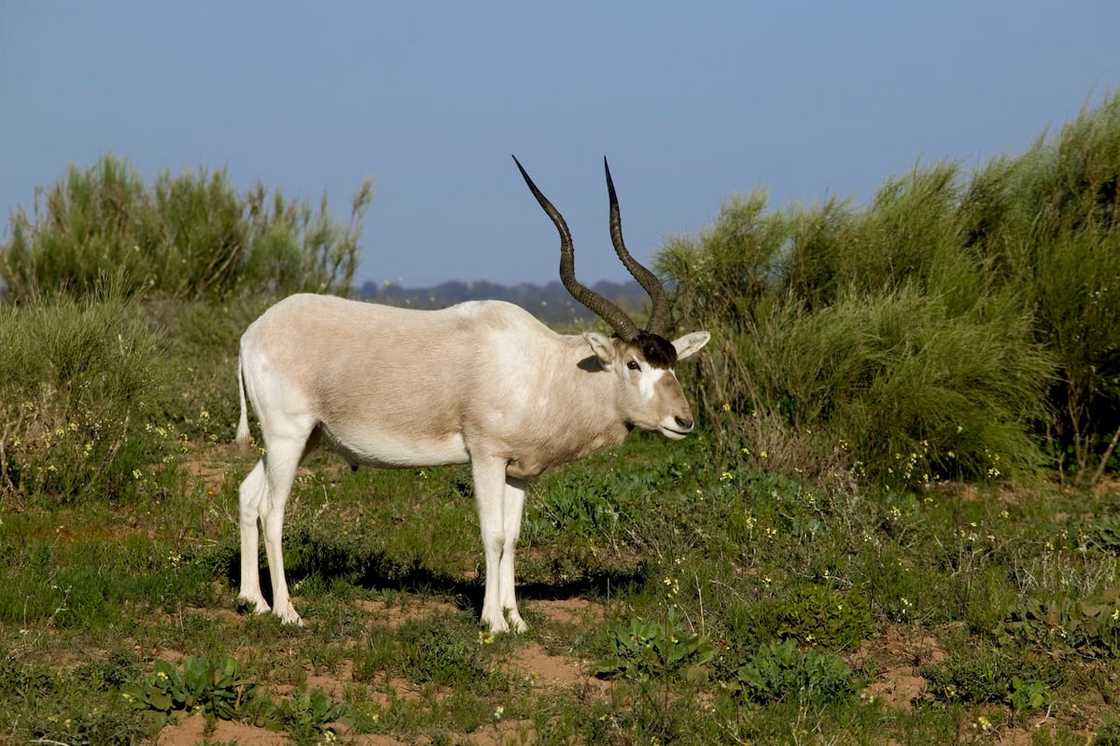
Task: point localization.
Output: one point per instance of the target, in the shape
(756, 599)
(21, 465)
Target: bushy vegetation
(186, 237)
(958, 327)
(77, 381)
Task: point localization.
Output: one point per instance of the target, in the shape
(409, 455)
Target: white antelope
(481, 382)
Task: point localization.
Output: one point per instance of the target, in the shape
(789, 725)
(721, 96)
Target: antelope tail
(242, 438)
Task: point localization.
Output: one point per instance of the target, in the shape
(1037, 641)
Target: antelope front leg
(513, 502)
(489, 491)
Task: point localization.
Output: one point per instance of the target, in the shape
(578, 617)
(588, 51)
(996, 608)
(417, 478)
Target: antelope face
(648, 393)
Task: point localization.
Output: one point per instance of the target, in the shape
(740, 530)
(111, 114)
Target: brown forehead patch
(658, 351)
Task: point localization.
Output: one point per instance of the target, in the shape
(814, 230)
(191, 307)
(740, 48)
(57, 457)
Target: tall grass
(187, 236)
(77, 381)
(958, 326)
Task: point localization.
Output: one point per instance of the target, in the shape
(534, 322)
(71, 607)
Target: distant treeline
(550, 302)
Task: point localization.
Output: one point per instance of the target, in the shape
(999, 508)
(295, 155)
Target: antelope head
(642, 361)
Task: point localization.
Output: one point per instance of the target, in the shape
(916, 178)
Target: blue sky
(692, 103)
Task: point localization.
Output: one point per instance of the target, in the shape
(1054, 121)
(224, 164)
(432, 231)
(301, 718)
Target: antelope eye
(633, 365)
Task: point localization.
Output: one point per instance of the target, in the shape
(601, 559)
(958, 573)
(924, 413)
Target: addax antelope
(482, 382)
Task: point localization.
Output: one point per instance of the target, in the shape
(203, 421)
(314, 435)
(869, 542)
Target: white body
(481, 382)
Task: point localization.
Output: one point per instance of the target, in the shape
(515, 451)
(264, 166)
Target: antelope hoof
(517, 625)
(289, 616)
(496, 623)
(255, 604)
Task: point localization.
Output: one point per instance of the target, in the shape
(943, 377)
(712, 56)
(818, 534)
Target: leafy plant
(214, 686)
(646, 649)
(1029, 695)
(993, 676)
(308, 715)
(435, 652)
(780, 671)
(1108, 735)
(1104, 534)
(1088, 626)
(818, 615)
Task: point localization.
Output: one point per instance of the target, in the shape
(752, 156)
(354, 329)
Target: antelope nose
(685, 423)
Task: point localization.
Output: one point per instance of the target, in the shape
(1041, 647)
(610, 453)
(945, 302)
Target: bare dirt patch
(897, 688)
(409, 610)
(191, 730)
(897, 654)
(333, 684)
(549, 671)
(1107, 486)
(568, 610)
(545, 669)
(211, 474)
(898, 646)
(169, 655)
(228, 616)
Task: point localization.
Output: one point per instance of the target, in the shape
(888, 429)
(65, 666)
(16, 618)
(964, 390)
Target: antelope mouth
(672, 434)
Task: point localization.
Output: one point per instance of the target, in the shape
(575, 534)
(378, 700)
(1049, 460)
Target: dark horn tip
(610, 182)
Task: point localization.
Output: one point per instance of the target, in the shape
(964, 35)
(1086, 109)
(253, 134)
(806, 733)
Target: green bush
(186, 236)
(308, 715)
(646, 649)
(994, 676)
(213, 686)
(818, 615)
(956, 327)
(1088, 626)
(1049, 223)
(780, 672)
(439, 653)
(77, 385)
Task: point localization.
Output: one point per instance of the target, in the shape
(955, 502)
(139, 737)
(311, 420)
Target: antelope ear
(602, 347)
(690, 344)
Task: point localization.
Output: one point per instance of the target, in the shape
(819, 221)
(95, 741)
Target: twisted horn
(603, 308)
(659, 314)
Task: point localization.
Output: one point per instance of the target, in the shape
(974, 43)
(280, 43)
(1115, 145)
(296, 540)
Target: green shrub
(437, 653)
(186, 236)
(895, 379)
(214, 686)
(646, 649)
(308, 715)
(77, 385)
(1109, 734)
(993, 676)
(1088, 626)
(959, 326)
(818, 615)
(780, 672)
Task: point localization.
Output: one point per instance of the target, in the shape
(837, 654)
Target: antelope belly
(388, 449)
